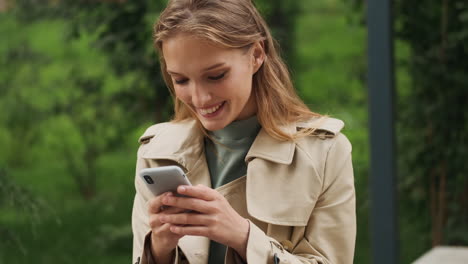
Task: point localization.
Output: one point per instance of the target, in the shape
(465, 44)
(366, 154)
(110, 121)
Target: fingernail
(182, 189)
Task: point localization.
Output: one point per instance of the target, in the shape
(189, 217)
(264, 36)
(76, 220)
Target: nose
(201, 96)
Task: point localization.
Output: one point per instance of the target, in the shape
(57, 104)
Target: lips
(211, 110)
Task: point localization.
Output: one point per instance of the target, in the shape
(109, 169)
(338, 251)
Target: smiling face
(215, 82)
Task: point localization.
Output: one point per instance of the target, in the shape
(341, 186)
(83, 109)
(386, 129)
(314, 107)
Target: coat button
(288, 245)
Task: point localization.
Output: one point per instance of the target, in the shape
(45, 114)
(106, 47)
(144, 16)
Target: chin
(213, 125)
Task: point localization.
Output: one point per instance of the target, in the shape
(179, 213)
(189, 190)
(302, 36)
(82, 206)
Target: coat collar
(181, 142)
(271, 149)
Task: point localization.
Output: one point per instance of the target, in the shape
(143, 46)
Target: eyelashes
(212, 78)
(219, 77)
(181, 81)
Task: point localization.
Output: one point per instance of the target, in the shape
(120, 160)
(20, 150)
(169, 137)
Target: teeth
(210, 110)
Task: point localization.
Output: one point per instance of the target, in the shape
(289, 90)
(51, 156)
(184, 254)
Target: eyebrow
(214, 66)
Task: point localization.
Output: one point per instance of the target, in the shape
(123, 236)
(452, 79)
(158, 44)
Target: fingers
(199, 191)
(164, 235)
(155, 205)
(190, 230)
(186, 219)
(172, 210)
(187, 203)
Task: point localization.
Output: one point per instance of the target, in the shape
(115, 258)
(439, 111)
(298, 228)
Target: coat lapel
(181, 142)
(284, 178)
(269, 148)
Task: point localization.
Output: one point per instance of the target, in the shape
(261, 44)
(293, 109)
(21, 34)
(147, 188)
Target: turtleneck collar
(240, 129)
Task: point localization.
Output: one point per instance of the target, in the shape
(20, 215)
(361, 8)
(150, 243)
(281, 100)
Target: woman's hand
(211, 216)
(163, 241)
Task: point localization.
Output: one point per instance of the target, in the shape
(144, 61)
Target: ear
(258, 55)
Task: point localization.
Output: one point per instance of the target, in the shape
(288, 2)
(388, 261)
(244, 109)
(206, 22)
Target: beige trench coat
(298, 196)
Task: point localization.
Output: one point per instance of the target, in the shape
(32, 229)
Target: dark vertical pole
(384, 232)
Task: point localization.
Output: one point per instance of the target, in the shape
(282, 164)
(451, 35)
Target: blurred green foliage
(80, 81)
(432, 127)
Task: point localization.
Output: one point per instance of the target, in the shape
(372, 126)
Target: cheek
(242, 87)
(182, 94)
(240, 84)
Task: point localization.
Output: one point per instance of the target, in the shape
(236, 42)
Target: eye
(181, 81)
(218, 77)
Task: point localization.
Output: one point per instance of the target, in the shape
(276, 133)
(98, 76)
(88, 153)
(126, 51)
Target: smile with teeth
(211, 110)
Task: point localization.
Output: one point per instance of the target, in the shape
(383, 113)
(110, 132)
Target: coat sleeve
(140, 220)
(330, 234)
(142, 233)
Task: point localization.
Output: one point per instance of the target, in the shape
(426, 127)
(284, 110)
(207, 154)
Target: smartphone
(164, 179)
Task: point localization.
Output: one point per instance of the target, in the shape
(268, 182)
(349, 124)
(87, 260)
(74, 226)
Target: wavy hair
(237, 24)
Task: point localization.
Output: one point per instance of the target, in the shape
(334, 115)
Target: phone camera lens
(148, 179)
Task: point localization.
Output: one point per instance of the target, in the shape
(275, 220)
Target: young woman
(272, 181)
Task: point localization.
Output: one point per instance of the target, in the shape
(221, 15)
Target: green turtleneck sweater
(226, 163)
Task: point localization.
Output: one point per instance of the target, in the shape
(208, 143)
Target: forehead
(185, 53)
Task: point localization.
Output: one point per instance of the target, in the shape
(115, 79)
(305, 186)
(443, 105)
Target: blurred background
(80, 82)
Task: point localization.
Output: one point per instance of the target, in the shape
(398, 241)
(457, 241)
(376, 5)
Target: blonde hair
(237, 24)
